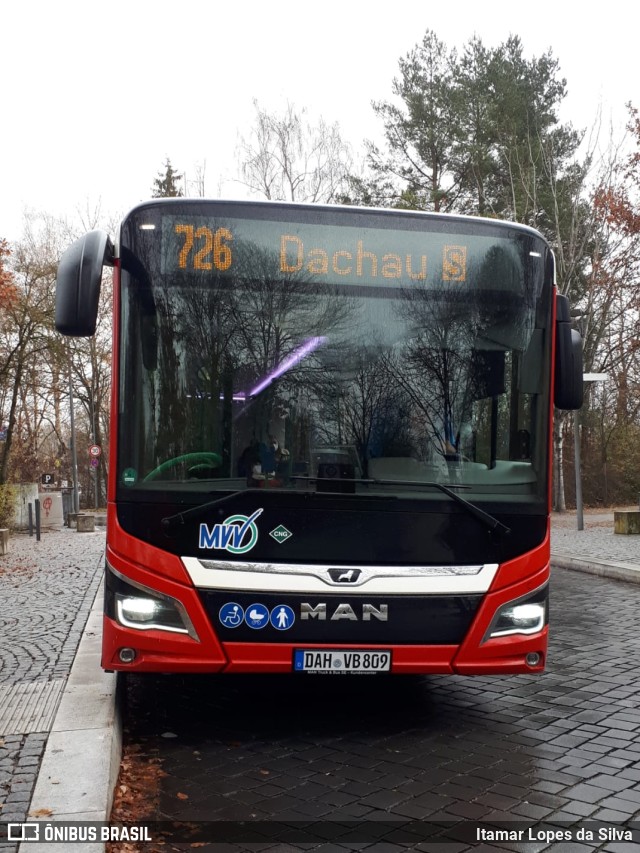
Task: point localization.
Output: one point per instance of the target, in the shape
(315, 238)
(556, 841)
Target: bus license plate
(336, 661)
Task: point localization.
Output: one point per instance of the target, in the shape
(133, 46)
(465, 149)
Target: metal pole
(37, 503)
(95, 441)
(587, 377)
(74, 451)
(576, 450)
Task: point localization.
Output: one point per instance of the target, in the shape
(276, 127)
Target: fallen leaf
(41, 813)
(136, 794)
(182, 796)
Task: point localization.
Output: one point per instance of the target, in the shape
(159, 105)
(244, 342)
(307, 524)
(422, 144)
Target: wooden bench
(626, 521)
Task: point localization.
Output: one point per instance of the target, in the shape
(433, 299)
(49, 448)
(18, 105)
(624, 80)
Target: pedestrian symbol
(282, 617)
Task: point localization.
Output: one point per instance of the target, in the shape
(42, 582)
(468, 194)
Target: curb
(81, 762)
(616, 570)
(80, 766)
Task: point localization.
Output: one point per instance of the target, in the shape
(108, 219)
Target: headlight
(527, 615)
(136, 606)
(138, 609)
(140, 612)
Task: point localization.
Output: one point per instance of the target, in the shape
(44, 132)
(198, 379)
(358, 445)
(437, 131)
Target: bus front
(332, 442)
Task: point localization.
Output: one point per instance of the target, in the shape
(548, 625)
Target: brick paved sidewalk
(597, 543)
(46, 592)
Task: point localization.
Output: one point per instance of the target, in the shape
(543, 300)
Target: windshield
(297, 348)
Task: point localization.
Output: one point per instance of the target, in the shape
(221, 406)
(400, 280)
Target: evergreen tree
(167, 184)
(474, 133)
(422, 134)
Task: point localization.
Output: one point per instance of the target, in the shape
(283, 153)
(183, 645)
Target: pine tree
(167, 185)
(474, 133)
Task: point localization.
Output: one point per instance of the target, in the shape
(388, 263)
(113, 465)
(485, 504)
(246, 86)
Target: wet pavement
(351, 755)
(597, 542)
(47, 588)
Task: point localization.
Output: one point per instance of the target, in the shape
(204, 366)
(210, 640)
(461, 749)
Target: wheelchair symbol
(231, 615)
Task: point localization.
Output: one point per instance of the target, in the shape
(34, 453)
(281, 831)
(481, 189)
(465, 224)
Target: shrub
(7, 505)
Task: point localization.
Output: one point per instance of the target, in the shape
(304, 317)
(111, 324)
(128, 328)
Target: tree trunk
(559, 503)
(6, 449)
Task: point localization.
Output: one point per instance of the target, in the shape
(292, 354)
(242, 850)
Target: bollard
(30, 508)
(85, 523)
(626, 522)
(37, 503)
(4, 541)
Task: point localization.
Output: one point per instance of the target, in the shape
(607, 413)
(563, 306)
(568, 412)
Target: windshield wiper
(181, 517)
(194, 512)
(494, 525)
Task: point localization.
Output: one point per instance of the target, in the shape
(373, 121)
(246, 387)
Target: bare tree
(195, 186)
(35, 362)
(286, 158)
(24, 350)
(602, 278)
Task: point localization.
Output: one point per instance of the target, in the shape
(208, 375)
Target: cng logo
(280, 534)
(236, 534)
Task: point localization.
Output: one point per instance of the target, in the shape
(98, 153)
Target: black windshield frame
(141, 342)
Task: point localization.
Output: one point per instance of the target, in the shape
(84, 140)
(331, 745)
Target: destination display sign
(330, 253)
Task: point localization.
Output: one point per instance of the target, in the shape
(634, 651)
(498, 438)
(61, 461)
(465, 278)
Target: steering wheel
(211, 460)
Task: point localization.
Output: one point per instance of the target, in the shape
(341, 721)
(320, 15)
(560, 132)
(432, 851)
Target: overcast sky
(96, 95)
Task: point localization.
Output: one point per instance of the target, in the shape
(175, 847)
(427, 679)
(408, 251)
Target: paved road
(46, 592)
(563, 747)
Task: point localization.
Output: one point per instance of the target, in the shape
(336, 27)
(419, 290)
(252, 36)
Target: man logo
(368, 612)
(344, 575)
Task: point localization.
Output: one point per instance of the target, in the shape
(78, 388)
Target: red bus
(331, 433)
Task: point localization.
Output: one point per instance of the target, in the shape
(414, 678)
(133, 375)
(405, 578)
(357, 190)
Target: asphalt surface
(50, 728)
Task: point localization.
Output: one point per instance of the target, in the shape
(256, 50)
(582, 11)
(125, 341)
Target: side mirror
(568, 372)
(78, 283)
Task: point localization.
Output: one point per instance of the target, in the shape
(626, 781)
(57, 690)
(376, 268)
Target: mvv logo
(236, 534)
